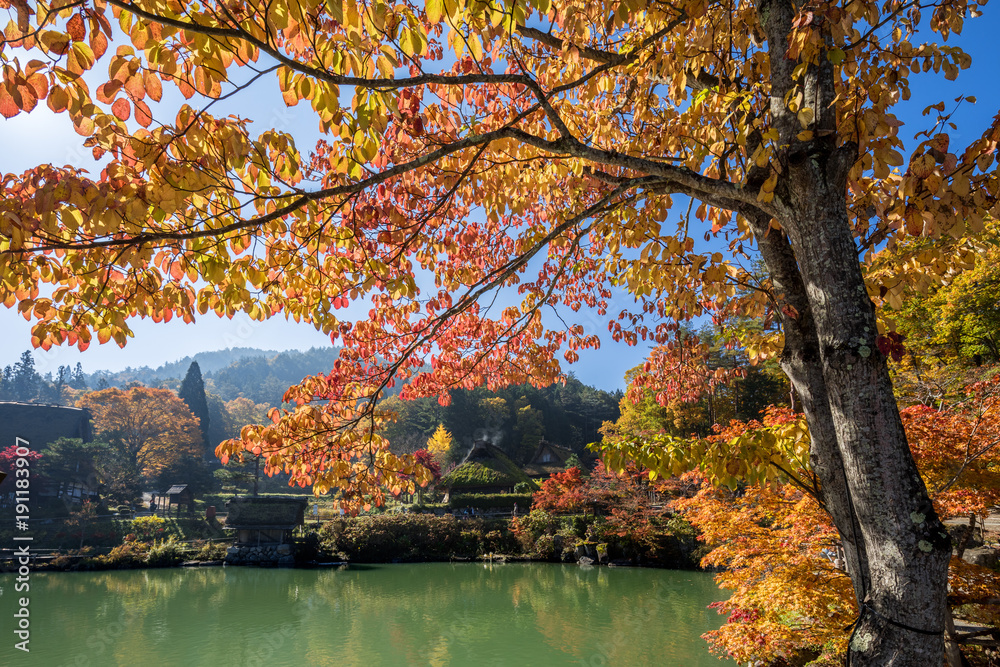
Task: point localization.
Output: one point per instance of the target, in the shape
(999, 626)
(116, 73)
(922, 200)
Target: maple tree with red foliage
(783, 559)
(562, 492)
(426, 459)
(8, 464)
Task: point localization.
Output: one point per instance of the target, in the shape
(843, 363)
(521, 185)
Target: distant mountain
(241, 371)
(213, 361)
(264, 379)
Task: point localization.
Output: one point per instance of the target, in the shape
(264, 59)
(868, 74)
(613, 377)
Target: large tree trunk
(896, 547)
(906, 546)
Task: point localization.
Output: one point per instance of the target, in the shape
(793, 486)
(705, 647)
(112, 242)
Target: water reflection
(423, 614)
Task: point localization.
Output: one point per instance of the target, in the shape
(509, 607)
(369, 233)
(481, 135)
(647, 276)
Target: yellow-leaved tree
(440, 444)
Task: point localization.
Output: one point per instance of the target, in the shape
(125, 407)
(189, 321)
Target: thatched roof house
(485, 469)
(547, 459)
(265, 520)
(42, 424)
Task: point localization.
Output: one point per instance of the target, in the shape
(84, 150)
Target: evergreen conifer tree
(192, 392)
(79, 380)
(26, 380)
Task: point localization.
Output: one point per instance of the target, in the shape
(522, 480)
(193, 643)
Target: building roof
(485, 466)
(265, 512)
(42, 424)
(537, 466)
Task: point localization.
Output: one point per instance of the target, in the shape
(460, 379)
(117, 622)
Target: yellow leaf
(806, 116)
(435, 11)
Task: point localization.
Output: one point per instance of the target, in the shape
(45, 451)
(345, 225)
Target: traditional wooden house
(42, 424)
(269, 520)
(547, 459)
(485, 469)
(179, 495)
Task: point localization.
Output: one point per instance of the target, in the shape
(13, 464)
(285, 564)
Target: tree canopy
(528, 149)
(192, 392)
(151, 429)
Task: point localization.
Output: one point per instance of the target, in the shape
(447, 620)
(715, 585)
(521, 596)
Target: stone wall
(264, 555)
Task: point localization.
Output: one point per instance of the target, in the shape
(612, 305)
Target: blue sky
(42, 137)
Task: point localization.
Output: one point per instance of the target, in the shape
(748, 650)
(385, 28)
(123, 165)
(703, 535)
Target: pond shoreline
(408, 538)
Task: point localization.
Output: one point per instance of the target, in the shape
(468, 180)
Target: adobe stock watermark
(22, 554)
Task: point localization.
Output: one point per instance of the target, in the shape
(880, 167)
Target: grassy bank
(537, 536)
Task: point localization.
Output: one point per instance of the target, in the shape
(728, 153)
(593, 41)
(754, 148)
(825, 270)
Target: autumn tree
(512, 145)
(8, 465)
(148, 430)
(952, 320)
(243, 411)
(778, 550)
(562, 492)
(440, 445)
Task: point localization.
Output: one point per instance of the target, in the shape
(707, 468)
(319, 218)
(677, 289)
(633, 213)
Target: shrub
(166, 553)
(210, 551)
(147, 528)
(409, 537)
(487, 501)
(124, 556)
(545, 547)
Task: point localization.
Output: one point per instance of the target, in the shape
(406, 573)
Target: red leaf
(122, 109)
(884, 345)
(75, 28)
(143, 115)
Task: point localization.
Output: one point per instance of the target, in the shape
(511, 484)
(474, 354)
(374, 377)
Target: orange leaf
(143, 116)
(135, 88)
(122, 109)
(75, 28)
(8, 107)
(39, 84)
(58, 100)
(186, 90)
(106, 91)
(84, 126)
(153, 86)
(99, 43)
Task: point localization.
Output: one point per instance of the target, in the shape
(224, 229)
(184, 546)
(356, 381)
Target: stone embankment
(264, 555)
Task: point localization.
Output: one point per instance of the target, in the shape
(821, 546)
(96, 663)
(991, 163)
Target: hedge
(487, 501)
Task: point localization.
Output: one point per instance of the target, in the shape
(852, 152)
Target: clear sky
(41, 137)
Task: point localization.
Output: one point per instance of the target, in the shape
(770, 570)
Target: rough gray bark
(870, 483)
(906, 546)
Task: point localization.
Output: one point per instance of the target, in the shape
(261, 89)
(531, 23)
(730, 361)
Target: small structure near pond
(263, 528)
(181, 496)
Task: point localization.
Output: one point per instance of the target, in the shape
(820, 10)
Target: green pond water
(365, 616)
